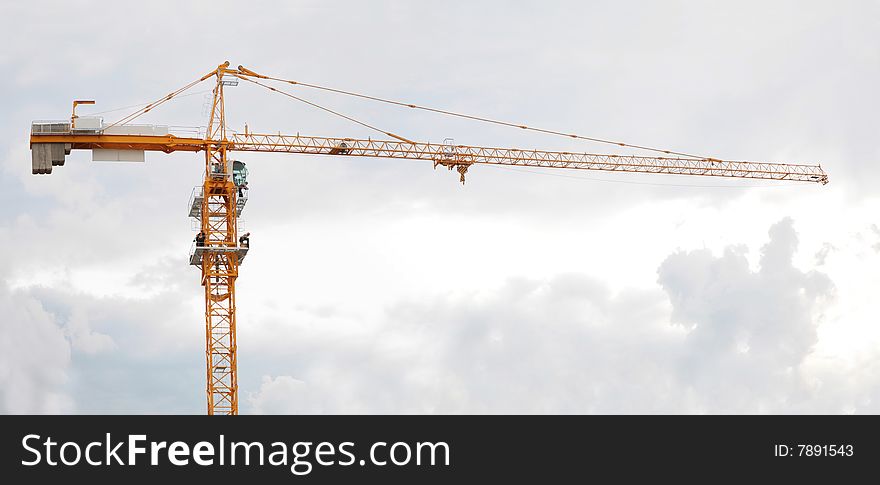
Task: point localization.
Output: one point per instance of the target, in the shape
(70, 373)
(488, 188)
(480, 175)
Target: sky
(383, 286)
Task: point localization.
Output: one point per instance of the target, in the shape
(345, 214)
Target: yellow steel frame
(220, 268)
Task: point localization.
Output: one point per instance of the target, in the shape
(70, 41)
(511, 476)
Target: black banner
(436, 449)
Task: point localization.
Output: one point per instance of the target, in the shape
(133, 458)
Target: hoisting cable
(248, 72)
(336, 113)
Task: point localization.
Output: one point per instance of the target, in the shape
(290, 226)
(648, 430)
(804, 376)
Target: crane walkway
(198, 195)
(197, 252)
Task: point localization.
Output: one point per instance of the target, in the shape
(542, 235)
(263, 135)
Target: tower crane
(220, 250)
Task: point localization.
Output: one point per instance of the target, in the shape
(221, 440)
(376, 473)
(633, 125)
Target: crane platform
(198, 195)
(197, 252)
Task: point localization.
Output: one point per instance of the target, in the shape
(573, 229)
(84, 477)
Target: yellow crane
(219, 249)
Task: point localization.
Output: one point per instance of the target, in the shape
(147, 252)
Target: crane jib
(445, 155)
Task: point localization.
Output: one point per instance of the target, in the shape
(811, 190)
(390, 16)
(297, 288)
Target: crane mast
(219, 251)
(219, 261)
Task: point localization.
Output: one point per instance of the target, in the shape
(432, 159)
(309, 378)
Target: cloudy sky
(378, 286)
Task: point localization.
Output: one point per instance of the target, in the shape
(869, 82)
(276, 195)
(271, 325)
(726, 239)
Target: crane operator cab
(239, 178)
(239, 173)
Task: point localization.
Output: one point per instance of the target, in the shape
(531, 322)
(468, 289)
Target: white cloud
(84, 339)
(876, 231)
(278, 395)
(34, 357)
(734, 340)
(749, 331)
(130, 355)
